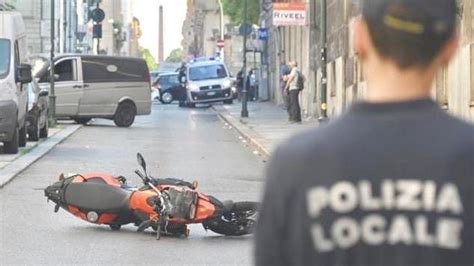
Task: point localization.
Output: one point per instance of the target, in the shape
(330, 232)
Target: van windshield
(4, 57)
(207, 72)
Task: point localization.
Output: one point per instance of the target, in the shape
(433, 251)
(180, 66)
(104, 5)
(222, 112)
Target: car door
(69, 88)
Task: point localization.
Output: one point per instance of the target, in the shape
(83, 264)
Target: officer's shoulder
(460, 129)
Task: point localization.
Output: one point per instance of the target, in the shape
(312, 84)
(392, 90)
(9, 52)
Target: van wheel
(182, 104)
(11, 147)
(82, 120)
(34, 133)
(22, 137)
(125, 114)
(45, 130)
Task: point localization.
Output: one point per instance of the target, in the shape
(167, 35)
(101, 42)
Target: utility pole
(245, 112)
(52, 95)
(324, 80)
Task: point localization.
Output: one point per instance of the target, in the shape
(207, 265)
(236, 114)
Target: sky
(174, 15)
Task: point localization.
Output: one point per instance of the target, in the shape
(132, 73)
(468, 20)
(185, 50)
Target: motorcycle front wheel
(240, 220)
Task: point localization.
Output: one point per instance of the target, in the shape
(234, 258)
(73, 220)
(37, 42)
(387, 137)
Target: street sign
(98, 15)
(263, 34)
(220, 43)
(289, 14)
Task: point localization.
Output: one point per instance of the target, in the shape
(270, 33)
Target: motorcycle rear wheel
(241, 220)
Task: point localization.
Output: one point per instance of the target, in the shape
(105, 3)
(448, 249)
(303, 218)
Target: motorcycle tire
(239, 221)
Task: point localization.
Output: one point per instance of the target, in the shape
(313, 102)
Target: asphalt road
(184, 143)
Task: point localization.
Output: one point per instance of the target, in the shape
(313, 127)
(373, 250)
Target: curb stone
(9, 172)
(250, 135)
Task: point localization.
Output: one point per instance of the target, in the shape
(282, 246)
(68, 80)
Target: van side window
(114, 70)
(66, 70)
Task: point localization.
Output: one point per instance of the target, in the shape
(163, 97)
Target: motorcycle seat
(95, 196)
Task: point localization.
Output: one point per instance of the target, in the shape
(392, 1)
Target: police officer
(391, 182)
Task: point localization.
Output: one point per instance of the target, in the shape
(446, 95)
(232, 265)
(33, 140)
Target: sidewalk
(266, 127)
(12, 165)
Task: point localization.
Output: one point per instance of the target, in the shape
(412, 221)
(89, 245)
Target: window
(207, 72)
(65, 70)
(114, 70)
(4, 57)
(173, 80)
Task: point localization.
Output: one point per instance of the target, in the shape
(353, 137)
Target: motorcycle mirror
(141, 162)
(139, 174)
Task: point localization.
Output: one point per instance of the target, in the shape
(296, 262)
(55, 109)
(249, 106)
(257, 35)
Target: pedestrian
(390, 182)
(284, 72)
(252, 85)
(293, 90)
(182, 94)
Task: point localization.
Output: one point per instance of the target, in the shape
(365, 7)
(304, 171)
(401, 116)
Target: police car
(207, 81)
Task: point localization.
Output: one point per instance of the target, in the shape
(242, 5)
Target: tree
(150, 60)
(235, 10)
(176, 56)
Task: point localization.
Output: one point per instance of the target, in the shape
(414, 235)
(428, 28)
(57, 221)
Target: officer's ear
(450, 49)
(361, 39)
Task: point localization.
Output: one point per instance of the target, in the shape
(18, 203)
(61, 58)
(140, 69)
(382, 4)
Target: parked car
(207, 81)
(170, 88)
(88, 86)
(38, 110)
(15, 74)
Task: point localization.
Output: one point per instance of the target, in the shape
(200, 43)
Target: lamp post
(245, 112)
(52, 95)
(221, 7)
(324, 81)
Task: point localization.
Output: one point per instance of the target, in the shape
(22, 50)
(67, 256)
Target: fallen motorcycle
(165, 205)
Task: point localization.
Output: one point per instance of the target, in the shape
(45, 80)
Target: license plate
(211, 93)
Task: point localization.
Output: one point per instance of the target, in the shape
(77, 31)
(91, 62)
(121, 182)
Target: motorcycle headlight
(227, 84)
(193, 87)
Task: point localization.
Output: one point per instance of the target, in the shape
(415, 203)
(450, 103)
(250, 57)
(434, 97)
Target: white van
(15, 74)
(208, 81)
(88, 86)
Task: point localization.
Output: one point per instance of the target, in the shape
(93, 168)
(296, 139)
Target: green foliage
(150, 60)
(235, 10)
(176, 56)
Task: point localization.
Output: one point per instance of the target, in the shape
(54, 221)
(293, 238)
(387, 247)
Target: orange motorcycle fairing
(141, 201)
